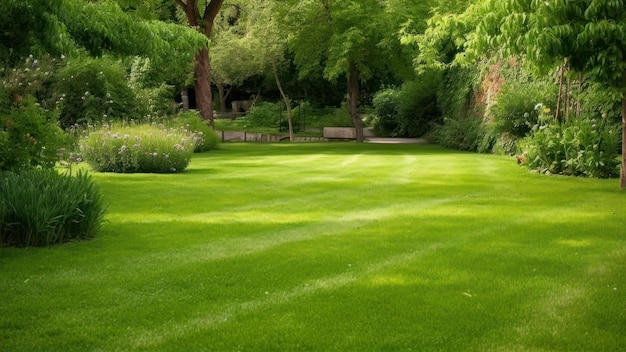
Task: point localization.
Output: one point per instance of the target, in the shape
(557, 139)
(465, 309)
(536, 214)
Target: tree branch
(182, 4)
(210, 12)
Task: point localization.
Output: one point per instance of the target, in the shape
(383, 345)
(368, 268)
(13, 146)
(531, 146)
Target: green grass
(345, 247)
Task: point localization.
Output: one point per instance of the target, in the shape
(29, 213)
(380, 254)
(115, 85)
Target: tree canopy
(68, 26)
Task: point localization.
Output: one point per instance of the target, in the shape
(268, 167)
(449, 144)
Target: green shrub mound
(142, 148)
(42, 207)
(93, 90)
(29, 136)
(409, 111)
(580, 147)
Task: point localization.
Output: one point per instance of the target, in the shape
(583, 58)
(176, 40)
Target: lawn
(331, 247)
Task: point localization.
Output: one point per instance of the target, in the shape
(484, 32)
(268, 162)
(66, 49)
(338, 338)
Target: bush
(42, 207)
(142, 148)
(417, 105)
(91, 90)
(457, 89)
(580, 147)
(205, 138)
(265, 114)
(385, 105)
(468, 134)
(516, 109)
(154, 98)
(32, 77)
(410, 111)
(332, 117)
(29, 136)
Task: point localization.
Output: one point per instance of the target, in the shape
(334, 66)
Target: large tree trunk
(204, 96)
(352, 101)
(285, 99)
(203, 22)
(622, 176)
(222, 96)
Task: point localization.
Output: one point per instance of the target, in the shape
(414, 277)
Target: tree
(589, 35)
(234, 51)
(351, 39)
(271, 44)
(202, 18)
(252, 42)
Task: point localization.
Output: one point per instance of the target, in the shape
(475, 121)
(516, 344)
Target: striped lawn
(331, 247)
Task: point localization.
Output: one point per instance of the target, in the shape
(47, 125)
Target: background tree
(233, 49)
(351, 39)
(201, 17)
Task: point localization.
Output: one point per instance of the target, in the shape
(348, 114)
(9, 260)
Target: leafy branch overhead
(99, 28)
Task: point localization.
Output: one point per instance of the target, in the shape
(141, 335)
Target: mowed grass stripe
(364, 272)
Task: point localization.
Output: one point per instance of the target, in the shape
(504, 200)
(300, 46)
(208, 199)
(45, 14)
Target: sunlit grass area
(336, 246)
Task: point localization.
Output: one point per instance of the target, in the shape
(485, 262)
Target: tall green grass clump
(42, 207)
(141, 148)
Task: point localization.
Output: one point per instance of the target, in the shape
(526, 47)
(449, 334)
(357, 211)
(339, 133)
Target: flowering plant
(141, 148)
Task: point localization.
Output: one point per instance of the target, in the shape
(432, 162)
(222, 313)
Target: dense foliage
(93, 90)
(203, 135)
(151, 148)
(411, 110)
(29, 136)
(580, 147)
(43, 207)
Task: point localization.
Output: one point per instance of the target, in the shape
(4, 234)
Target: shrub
(332, 117)
(41, 207)
(32, 77)
(142, 148)
(580, 147)
(94, 90)
(203, 135)
(417, 105)
(29, 136)
(515, 112)
(468, 134)
(456, 89)
(385, 105)
(410, 111)
(154, 98)
(264, 114)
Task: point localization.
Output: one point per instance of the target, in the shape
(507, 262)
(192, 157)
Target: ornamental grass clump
(42, 207)
(141, 148)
